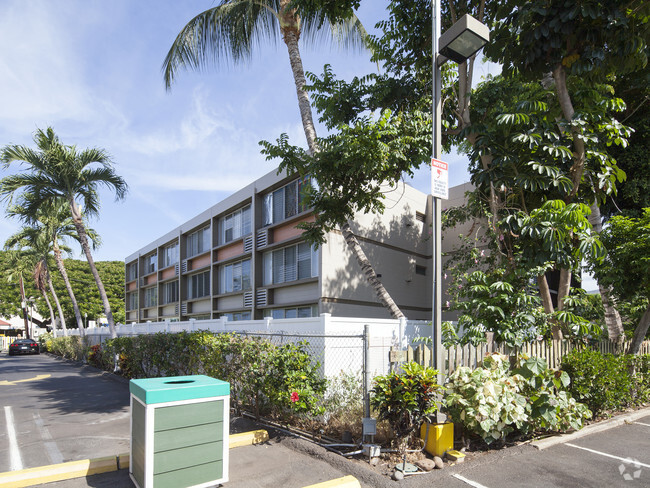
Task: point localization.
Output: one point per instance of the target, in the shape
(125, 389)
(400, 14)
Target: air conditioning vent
(248, 244)
(184, 309)
(143, 282)
(176, 309)
(184, 266)
(248, 299)
(262, 238)
(177, 268)
(262, 298)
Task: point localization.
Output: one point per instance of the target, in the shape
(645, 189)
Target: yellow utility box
(440, 438)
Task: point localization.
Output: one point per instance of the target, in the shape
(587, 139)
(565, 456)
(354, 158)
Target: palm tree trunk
(49, 307)
(23, 304)
(57, 301)
(75, 306)
(291, 33)
(384, 297)
(83, 239)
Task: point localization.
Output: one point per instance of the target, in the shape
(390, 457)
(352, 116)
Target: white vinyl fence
(336, 342)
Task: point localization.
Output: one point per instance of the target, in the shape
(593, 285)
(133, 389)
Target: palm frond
(226, 33)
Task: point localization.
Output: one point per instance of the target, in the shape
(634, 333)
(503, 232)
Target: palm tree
(33, 242)
(19, 265)
(53, 219)
(57, 172)
(230, 30)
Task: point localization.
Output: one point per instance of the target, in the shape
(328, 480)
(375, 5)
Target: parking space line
(15, 460)
(469, 482)
(624, 460)
(50, 446)
(641, 423)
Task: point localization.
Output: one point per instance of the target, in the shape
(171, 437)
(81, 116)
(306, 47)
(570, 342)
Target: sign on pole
(439, 179)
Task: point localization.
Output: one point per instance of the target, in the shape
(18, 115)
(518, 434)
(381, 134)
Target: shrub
(486, 401)
(71, 347)
(263, 378)
(406, 399)
(551, 408)
(492, 401)
(604, 381)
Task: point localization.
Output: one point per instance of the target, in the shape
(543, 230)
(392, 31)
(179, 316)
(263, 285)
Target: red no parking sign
(439, 178)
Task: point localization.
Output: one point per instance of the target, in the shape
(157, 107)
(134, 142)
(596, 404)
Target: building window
(198, 242)
(131, 271)
(290, 264)
(170, 292)
(198, 285)
(132, 301)
(236, 225)
(236, 316)
(170, 255)
(235, 277)
(150, 297)
(285, 202)
(293, 312)
(150, 263)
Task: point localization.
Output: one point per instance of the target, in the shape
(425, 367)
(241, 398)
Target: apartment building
(245, 259)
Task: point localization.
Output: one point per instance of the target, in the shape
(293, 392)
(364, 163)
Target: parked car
(23, 346)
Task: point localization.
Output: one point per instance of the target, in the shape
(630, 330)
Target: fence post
(366, 370)
(267, 320)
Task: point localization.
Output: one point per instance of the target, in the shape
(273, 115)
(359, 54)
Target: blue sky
(91, 69)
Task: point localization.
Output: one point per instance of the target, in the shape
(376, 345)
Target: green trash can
(179, 432)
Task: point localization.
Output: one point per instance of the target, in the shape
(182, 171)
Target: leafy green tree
(581, 45)
(88, 298)
(627, 266)
(57, 172)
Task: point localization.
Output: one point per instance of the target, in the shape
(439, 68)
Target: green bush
(606, 382)
(486, 401)
(406, 399)
(491, 401)
(550, 406)
(264, 378)
(71, 347)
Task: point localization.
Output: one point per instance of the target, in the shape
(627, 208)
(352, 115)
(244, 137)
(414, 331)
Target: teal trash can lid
(178, 388)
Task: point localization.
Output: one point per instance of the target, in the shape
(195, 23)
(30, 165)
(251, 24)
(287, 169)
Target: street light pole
(436, 137)
(460, 42)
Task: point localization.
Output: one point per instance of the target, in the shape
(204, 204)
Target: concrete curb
(88, 467)
(345, 482)
(592, 429)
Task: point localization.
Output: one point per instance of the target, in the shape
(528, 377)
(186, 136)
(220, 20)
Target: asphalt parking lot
(56, 411)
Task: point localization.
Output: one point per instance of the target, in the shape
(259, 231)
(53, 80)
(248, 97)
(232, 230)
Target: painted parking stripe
(624, 460)
(469, 482)
(50, 446)
(641, 423)
(15, 460)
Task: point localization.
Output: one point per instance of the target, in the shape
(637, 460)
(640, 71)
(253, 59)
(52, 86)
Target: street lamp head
(464, 39)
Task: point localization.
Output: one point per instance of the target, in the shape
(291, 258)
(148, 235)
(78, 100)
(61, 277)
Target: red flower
(294, 397)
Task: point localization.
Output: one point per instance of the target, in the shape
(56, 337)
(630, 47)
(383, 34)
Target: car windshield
(23, 341)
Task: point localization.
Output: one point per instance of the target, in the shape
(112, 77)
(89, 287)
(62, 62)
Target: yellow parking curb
(88, 467)
(248, 438)
(58, 472)
(345, 482)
